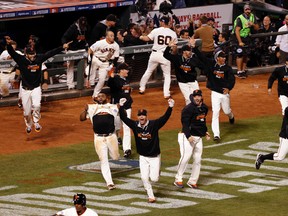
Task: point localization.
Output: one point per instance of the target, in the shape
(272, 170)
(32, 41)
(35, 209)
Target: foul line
(226, 143)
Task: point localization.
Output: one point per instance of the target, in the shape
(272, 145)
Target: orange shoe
(179, 184)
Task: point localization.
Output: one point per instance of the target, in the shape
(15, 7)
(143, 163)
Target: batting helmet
(79, 198)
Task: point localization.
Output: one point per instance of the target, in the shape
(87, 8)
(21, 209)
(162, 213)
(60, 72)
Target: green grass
(37, 171)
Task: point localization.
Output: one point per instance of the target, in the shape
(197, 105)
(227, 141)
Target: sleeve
(51, 53)
(123, 116)
(185, 120)
(68, 35)
(163, 119)
(272, 78)
(16, 56)
(167, 53)
(238, 22)
(231, 78)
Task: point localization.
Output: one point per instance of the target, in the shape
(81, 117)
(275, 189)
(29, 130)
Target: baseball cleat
(232, 120)
(119, 141)
(194, 186)
(141, 92)
(127, 153)
(111, 187)
(179, 184)
(216, 139)
(151, 200)
(37, 127)
(28, 130)
(258, 161)
(168, 97)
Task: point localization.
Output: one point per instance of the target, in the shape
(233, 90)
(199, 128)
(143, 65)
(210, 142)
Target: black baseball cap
(197, 92)
(142, 112)
(164, 19)
(220, 54)
(211, 19)
(123, 66)
(186, 48)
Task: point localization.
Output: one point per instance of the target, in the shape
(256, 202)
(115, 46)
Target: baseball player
(161, 37)
(102, 116)
(120, 88)
(147, 143)
(281, 74)
(77, 33)
(184, 64)
(30, 67)
(193, 118)
(283, 146)
(220, 80)
(7, 74)
(105, 54)
(79, 208)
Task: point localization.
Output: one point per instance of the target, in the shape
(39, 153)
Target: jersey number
(164, 39)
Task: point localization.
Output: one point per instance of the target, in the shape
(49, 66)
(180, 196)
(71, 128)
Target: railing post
(80, 74)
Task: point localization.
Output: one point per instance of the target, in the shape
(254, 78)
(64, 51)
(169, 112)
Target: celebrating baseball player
(105, 54)
(220, 80)
(147, 143)
(120, 88)
(184, 65)
(281, 74)
(161, 37)
(30, 67)
(283, 146)
(193, 118)
(102, 116)
(79, 208)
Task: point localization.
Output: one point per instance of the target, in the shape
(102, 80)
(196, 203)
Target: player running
(161, 37)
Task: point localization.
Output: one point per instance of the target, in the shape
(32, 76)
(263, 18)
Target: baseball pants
(284, 102)
(218, 101)
(186, 151)
(149, 168)
(126, 133)
(103, 146)
(5, 83)
(31, 100)
(102, 74)
(155, 59)
(282, 150)
(187, 89)
(70, 74)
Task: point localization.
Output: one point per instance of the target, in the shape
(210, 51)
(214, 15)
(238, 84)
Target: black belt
(4, 72)
(154, 50)
(102, 60)
(104, 135)
(27, 88)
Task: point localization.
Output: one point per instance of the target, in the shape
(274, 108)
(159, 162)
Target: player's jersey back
(161, 37)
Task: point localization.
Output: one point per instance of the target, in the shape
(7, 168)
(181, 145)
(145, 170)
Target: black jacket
(281, 74)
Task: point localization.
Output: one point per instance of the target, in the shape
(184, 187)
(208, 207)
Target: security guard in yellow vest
(242, 29)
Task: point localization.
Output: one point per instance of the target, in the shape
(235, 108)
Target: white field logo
(99, 198)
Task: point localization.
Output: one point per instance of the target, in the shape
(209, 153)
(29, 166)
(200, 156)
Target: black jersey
(284, 128)
(281, 74)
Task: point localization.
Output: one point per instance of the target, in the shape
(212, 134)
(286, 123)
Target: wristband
(46, 81)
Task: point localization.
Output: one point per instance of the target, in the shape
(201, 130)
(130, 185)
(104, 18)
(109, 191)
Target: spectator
(77, 33)
(205, 33)
(99, 30)
(242, 29)
(282, 41)
(184, 34)
(190, 27)
(79, 208)
(178, 28)
(120, 37)
(223, 43)
(216, 32)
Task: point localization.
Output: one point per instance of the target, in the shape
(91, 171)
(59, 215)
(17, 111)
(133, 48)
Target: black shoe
(258, 161)
(216, 139)
(119, 141)
(232, 120)
(141, 92)
(127, 153)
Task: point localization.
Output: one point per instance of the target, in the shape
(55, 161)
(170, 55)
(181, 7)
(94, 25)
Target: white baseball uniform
(72, 212)
(105, 143)
(102, 53)
(161, 37)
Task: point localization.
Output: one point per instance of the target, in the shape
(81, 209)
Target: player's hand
(171, 102)
(122, 101)
(15, 84)
(207, 136)
(193, 140)
(172, 43)
(269, 91)
(226, 91)
(87, 84)
(192, 42)
(89, 58)
(44, 86)
(241, 44)
(66, 45)
(8, 39)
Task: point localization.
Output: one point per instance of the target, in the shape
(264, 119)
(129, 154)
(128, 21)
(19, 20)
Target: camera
(165, 8)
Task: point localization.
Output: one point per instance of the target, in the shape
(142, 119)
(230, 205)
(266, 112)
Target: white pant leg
(187, 89)
(101, 147)
(225, 102)
(36, 103)
(155, 164)
(152, 64)
(216, 105)
(166, 69)
(282, 150)
(185, 155)
(284, 102)
(145, 173)
(94, 68)
(197, 156)
(127, 133)
(70, 74)
(112, 144)
(27, 106)
(102, 76)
